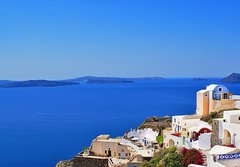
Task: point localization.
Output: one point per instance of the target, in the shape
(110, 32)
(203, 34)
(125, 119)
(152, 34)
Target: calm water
(40, 126)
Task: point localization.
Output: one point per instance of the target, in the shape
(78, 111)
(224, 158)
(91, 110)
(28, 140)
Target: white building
(229, 128)
(145, 137)
(188, 131)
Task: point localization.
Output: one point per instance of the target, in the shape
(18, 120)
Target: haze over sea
(40, 126)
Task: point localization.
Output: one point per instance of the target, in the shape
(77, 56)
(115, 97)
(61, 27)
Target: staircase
(204, 160)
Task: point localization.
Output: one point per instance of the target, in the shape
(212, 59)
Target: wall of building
(235, 119)
(102, 148)
(204, 141)
(230, 162)
(203, 103)
(187, 124)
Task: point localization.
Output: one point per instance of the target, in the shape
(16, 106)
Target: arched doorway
(226, 138)
(171, 142)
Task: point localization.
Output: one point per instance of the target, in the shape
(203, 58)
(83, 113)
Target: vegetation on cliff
(170, 157)
(173, 157)
(214, 115)
(157, 123)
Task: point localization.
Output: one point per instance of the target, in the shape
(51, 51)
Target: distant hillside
(5, 82)
(94, 79)
(233, 78)
(108, 81)
(36, 83)
(200, 79)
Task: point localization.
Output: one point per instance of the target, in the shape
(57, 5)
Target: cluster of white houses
(219, 141)
(128, 151)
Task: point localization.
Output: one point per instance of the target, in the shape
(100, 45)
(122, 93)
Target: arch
(171, 142)
(226, 138)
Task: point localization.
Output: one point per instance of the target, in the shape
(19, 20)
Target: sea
(41, 126)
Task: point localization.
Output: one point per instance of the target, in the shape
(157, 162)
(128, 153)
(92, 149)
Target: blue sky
(56, 39)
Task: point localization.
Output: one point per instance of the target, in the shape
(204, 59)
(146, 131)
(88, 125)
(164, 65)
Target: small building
(145, 137)
(214, 98)
(120, 152)
(188, 131)
(104, 146)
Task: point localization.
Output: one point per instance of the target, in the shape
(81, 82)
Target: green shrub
(160, 139)
(172, 160)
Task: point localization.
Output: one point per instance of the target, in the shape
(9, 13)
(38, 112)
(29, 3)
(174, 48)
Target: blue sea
(40, 126)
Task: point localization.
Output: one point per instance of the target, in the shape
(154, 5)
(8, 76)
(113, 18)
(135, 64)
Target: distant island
(36, 83)
(232, 78)
(94, 79)
(75, 81)
(200, 79)
(90, 81)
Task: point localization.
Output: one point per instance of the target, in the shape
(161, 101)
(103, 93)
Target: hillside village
(212, 134)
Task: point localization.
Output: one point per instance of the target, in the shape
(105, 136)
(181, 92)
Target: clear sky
(57, 39)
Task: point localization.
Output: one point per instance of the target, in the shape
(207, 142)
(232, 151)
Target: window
(126, 154)
(205, 131)
(219, 89)
(238, 118)
(105, 151)
(225, 96)
(119, 154)
(205, 94)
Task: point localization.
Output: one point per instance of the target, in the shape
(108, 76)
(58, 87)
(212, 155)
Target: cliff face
(157, 123)
(66, 163)
(233, 78)
(80, 161)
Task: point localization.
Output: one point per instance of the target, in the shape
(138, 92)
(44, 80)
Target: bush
(191, 156)
(213, 114)
(173, 160)
(169, 157)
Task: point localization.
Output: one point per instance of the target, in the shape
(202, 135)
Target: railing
(110, 162)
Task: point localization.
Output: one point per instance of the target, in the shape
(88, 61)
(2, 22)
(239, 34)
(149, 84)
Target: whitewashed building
(188, 131)
(145, 137)
(228, 130)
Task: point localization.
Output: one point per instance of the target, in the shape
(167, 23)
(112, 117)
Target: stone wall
(224, 104)
(215, 140)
